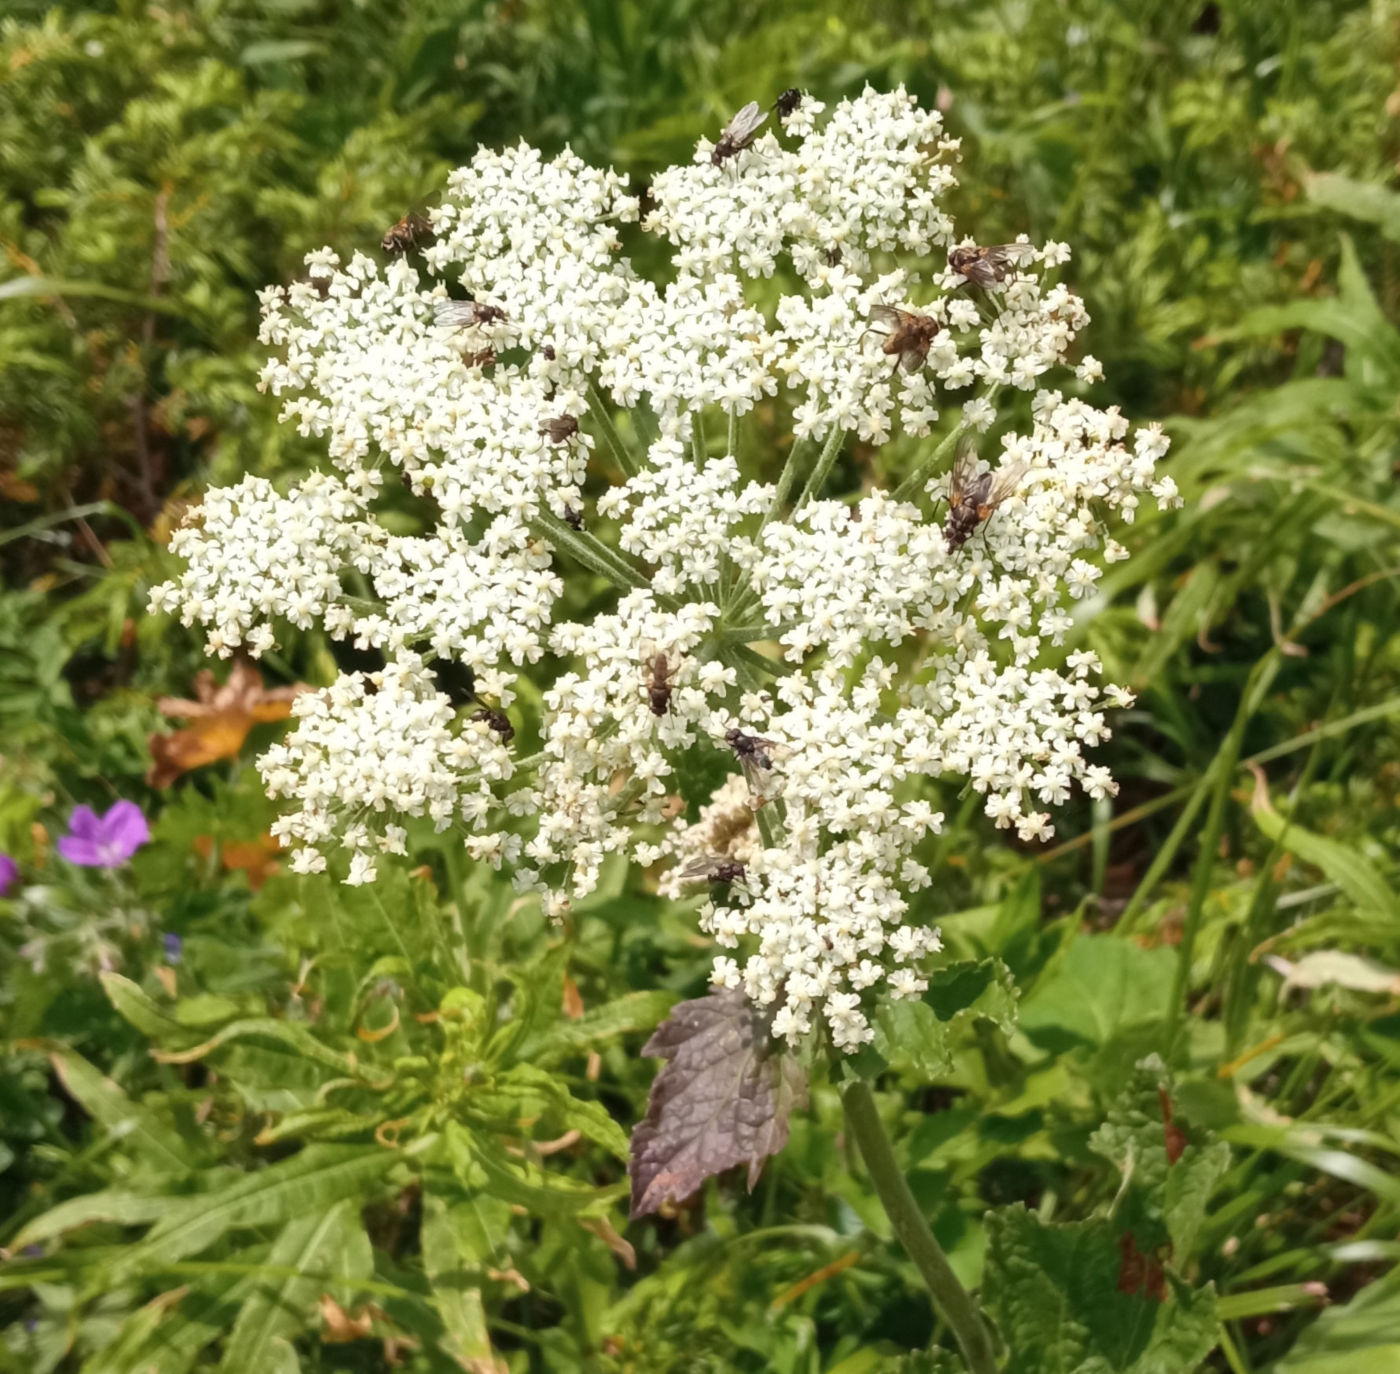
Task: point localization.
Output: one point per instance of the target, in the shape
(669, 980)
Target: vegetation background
(1225, 174)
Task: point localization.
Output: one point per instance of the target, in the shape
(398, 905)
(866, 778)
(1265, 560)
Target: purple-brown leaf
(723, 1099)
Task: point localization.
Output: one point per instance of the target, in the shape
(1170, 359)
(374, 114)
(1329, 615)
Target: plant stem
(912, 485)
(587, 549)
(816, 479)
(950, 1299)
(597, 407)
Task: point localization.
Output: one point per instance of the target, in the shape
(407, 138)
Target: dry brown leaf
(221, 717)
(340, 1326)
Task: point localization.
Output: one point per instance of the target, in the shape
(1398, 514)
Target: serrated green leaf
(1055, 1294)
(330, 1242)
(319, 1176)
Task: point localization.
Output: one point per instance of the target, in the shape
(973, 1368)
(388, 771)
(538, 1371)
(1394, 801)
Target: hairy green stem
(950, 1299)
(587, 549)
(816, 479)
(599, 411)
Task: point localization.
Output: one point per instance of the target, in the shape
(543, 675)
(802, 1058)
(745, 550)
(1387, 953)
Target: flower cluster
(850, 662)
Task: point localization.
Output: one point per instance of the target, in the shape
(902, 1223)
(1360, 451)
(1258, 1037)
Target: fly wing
(964, 469)
(454, 314)
(1007, 479)
(1000, 259)
(741, 129)
(697, 870)
(887, 315)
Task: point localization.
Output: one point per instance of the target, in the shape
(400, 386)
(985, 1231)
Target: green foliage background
(1225, 175)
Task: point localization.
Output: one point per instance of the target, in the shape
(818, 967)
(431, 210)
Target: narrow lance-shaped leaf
(723, 1099)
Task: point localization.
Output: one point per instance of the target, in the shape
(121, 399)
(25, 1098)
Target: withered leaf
(723, 1099)
(222, 718)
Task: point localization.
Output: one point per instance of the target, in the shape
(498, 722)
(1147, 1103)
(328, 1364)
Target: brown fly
(973, 495)
(659, 685)
(738, 133)
(907, 336)
(560, 429)
(573, 517)
(987, 267)
(412, 231)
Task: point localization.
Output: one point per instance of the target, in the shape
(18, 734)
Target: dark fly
(738, 133)
(987, 267)
(973, 495)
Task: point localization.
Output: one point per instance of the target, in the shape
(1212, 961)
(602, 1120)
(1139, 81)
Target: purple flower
(9, 873)
(174, 946)
(106, 841)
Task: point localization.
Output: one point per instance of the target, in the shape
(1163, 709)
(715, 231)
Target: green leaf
(319, 1176)
(480, 1164)
(330, 1242)
(1352, 1339)
(590, 1119)
(290, 1036)
(143, 1013)
(156, 1139)
(1103, 985)
(115, 1205)
(453, 1266)
(1363, 200)
(1353, 872)
(1057, 1295)
(637, 1011)
(921, 1033)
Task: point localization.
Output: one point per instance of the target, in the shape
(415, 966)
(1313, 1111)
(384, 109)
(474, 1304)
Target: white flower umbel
(852, 663)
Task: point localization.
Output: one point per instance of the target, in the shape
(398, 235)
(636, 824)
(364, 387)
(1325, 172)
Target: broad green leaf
(1166, 1179)
(319, 1176)
(922, 1033)
(318, 1244)
(1057, 1295)
(1104, 984)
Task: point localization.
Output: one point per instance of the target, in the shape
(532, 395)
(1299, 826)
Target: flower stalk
(950, 1299)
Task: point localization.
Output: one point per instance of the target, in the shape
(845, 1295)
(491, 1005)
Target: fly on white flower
(738, 133)
(987, 267)
(465, 314)
(973, 496)
(909, 335)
